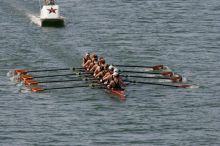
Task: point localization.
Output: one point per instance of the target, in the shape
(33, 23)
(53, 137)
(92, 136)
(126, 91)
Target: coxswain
(115, 82)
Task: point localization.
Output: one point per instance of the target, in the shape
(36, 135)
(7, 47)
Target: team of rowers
(109, 75)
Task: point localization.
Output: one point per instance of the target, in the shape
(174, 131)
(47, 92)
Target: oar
(47, 76)
(34, 82)
(170, 85)
(40, 89)
(142, 77)
(23, 72)
(143, 72)
(143, 66)
(124, 71)
(28, 77)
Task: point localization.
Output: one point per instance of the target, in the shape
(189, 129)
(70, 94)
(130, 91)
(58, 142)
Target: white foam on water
(20, 84)
(148, 69)
(24, 90)
(15, 79)
(151, 75)
(164, 81)
(184, 80)
(194, 87)
(11, 73)
(35, 19)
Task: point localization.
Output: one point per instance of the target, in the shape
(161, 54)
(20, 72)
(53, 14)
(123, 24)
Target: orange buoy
(37, 89)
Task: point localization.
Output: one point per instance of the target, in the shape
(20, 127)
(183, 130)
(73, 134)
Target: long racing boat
(120, 93)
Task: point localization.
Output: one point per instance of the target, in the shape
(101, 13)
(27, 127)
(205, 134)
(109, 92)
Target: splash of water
(35, 19)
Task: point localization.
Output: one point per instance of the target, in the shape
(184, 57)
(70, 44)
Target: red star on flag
(52, 10)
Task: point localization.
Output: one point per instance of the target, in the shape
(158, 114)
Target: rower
(176, 78)
(101, 62)
(102, 72)
(116, 82)
(108, 75)
(86, 58)
(100, 67)
(160, 67)
(89, 62)
(168, 74)
(94, 62)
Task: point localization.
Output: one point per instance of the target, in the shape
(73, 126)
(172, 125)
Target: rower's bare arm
(87, 63)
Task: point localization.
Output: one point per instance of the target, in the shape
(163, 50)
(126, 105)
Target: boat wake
(194, 87)
(34, 19)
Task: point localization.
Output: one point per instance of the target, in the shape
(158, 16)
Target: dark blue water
(183, 34)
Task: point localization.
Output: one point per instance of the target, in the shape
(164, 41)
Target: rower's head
(101, 61)
(176, 75)
(93, 55)
(116, 70)
(166, 68)
(115, 74)
(87, 55)
(106, 66)
(111, 68)
(100, 58)
(95, 58)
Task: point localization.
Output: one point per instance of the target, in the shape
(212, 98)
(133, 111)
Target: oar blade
(37, 89)
(31, 83)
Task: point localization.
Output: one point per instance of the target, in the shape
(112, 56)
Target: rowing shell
(120, 93)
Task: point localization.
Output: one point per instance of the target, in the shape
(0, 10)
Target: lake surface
(182, 34)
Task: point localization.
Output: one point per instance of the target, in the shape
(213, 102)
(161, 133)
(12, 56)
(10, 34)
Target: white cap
(166, 68)
(115, 70)
(110, 67)
(115, 74)
(176, 75)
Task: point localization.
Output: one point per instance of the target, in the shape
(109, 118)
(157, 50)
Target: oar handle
(39, 89)
(170, 85)
(70, 87)
(59, 81)
(156, 77)
(120, 65)
(130, 71)
(53, 76)
(55, 69)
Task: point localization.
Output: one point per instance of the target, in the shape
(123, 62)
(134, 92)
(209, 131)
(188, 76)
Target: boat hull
(118, 92)
(58, 22)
